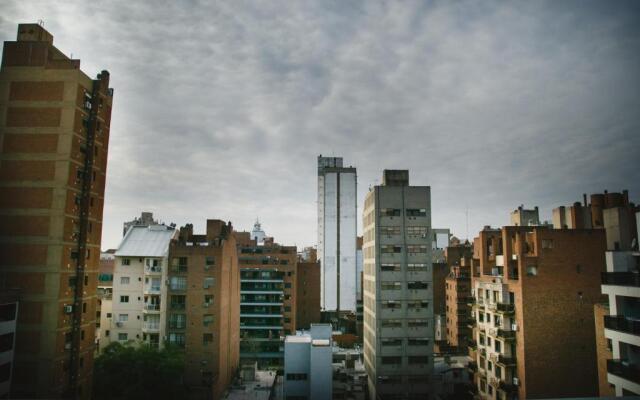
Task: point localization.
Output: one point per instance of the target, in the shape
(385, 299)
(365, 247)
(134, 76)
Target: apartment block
(525, 217)
(337, 231)
(307, 294)
(139, 295)
(621, 285)
(458, 295)
(203, 309)
(8, 322)
(398, 291)
(268, 299)
(534, 291)
(104, 293)
(308, 371)
(54, 136)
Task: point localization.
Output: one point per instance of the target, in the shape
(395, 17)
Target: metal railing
(622, 324)
(621, 278)
(624, 369)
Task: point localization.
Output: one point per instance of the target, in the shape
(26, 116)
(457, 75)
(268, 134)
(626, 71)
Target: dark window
(5, 372)
(8, 312)
(6, 342)
(297, 377)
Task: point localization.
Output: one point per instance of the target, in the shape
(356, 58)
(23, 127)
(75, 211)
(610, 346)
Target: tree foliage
(138, 372)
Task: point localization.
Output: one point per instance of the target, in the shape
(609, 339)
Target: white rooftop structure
(308, 367)
(257, 233)
(146, 241)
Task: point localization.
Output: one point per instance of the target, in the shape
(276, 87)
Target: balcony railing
(178, 306)
(152, 307)
(621, 278)
(506, 361)
(624, 370)
(505, 308)
(501, 333)
(622, 324)
(153, 270)
(151, 326)
(473, 366)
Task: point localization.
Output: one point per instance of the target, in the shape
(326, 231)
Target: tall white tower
(337, 230)
(257, 233)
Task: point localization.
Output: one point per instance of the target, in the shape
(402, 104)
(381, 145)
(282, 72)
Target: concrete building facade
(398, 291)
(139, 293)
(54, 136)
(525, 217)
(203, 308)
(337, 231)
(268, 300)
(308, 371)
(534, 291)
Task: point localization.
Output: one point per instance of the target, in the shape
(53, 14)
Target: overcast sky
(220, 110)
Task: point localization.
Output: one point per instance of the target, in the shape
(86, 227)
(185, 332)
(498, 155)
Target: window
(417, 231)
(209, 261)
(390, 285)
(417, 305)
(390, 249)
(416, 212)
(123, 317)
(124, 299)
(416, 249)
(497, 321)
(417, 323)
(107, 332)
(547, 244)
(532, 270)
(417, 285)
(122, 336)
(208, 299)
(498, 372)
(418, 342)
(108, 315)
(490, 366)
(391, 304)
(390, 230)
(498, 346)
(6, 342)
(480, 316)
(391, 323)
(177, 339)
(578, 268)
(418, 359)
(207, 319)
(126, 261)
(207, 338)
(394, 360)
(391, 342)
(124, 280)
(390, 267)
(178, 283)
(417, 267)
(177, 321)
(297, 377)
(208, 282)
(390, 212)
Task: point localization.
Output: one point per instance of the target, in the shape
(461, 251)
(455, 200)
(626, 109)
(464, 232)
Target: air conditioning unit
(514, 327)
(516, 381)
(68, 309)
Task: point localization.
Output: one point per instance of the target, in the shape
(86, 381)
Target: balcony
(151, 308)
(505, 308)
(152, 270)
(507, 387)
(505, 361)
(151, 326)
(472, 366)
(472, 323)
(471, 301)
(152, 290)
(178, 306)
(466, 300)
(624, 369)
(179, 269)
(505, 335)
(622, 324)
(621, 279)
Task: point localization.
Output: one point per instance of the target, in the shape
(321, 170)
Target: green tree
(138, 372)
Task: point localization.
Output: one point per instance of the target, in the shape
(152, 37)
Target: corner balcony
(625, 374)
(621, 323)
(621, 279)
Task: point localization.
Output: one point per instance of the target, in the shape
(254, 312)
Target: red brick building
(54, 137)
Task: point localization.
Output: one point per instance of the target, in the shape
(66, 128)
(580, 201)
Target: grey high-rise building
(398, 291)
(337, 230)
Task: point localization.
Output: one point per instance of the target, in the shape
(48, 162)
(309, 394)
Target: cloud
(221, 109)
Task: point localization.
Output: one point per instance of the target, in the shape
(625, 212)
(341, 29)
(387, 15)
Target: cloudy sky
(220, 110)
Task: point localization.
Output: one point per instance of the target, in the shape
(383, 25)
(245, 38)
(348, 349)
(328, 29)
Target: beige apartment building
(533, 333)
(54, 136)
(203, 308)
(398, 289)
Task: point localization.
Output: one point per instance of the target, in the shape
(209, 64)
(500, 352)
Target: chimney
(584, 197)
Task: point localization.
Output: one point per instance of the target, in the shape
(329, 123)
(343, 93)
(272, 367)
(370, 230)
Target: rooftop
(146, 241)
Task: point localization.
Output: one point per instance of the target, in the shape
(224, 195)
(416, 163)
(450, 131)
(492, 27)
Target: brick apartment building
(203, 314)
(54, 136)
(307, 294)
(535, 289)
(458, 296)
(268, 298)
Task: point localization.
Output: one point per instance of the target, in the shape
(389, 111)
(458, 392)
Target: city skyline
(547, 86)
